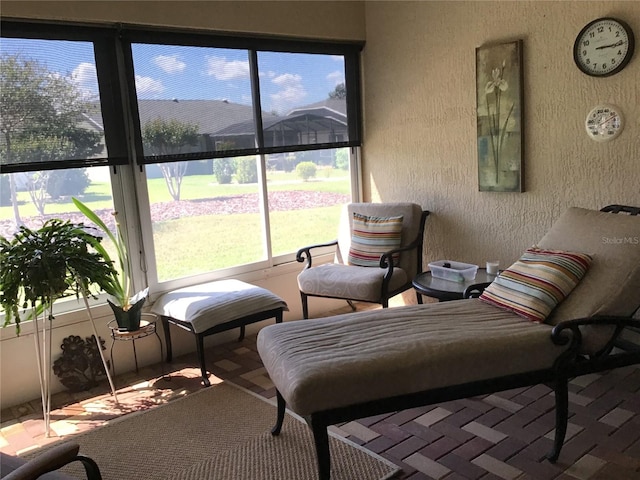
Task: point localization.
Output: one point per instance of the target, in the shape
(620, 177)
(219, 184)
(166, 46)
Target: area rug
(222, 433)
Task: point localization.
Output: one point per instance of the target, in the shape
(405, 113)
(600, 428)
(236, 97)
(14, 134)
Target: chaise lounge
(357, 365)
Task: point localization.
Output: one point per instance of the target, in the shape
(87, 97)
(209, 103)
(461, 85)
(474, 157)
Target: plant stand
(44, 353)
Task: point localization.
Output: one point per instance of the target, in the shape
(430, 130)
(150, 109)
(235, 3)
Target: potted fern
(38, 267)
(126, 308)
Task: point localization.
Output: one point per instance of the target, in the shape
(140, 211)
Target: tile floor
(499, 436)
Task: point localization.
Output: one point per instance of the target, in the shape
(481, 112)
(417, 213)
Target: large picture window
(225, 153)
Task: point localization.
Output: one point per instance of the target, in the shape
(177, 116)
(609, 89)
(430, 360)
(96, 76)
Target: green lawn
(198, 244)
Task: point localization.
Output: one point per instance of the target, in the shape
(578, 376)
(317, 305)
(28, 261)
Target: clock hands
(617, 44)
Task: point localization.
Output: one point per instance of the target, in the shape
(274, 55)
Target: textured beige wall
(420, 126)
(314, 19)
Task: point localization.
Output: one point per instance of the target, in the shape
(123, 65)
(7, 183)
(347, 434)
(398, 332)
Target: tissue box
(454, 271)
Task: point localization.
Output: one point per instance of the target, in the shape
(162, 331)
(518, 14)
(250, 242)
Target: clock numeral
(604, 65)
(600, 29)
(585, 43)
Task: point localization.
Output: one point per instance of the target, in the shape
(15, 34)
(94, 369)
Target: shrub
(72, 182)
(223, 169)
(306, 170)
(246, 170)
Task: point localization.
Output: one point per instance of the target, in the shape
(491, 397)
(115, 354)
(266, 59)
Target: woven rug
(222, 433)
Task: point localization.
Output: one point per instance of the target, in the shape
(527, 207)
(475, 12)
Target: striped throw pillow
(537, 282)
(373, 236)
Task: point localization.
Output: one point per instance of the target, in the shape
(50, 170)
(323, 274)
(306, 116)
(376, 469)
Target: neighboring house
(224, 125)
(321, 122)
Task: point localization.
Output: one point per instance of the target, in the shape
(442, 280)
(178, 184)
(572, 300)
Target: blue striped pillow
(537, 282)
(373, 236)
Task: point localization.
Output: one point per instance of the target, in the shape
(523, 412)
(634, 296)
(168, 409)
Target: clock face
(604, 122)
(603, 47)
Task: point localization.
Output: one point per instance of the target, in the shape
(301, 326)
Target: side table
(445, 290)
(147, 328)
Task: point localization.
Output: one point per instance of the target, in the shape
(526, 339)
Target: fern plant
(39, 266)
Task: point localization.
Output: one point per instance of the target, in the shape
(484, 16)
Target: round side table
(147, 328)
(445, 290)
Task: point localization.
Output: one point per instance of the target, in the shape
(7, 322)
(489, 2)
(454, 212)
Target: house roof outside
(221, 117)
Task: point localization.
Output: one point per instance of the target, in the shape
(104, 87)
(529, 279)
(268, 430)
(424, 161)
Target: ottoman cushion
(210, 304)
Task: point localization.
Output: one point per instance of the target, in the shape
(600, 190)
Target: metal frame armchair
(360, 283)
(44, 466)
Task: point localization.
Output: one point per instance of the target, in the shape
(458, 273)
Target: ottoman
(215, 307)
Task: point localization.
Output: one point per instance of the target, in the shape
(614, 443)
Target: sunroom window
(245, 151)
(223, 154)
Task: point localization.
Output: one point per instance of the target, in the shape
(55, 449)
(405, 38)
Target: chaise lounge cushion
(348, 359)
(612, 283)
(611, 286)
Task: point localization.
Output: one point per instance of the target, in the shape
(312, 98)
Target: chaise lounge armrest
(571, 332)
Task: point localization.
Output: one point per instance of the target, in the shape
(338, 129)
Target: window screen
(51, 113)
(193, 101)
(304, 99)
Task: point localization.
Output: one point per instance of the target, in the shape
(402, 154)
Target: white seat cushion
(210, 304)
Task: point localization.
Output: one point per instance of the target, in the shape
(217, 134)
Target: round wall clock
(603, 47)
(604, 122)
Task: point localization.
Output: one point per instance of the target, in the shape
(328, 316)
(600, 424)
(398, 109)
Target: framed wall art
(499, 112)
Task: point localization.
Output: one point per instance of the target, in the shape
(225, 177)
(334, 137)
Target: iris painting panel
(499, 117)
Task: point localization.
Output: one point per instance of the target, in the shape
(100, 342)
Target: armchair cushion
(344, 281)
(537, 282)
(373, 236)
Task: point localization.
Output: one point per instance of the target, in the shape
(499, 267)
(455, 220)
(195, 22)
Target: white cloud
(291, 93)
(336, 77)
(86, 79)
(169, 63)
(222, 69)
(148, 86)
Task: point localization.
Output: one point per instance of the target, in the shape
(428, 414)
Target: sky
(186, 73)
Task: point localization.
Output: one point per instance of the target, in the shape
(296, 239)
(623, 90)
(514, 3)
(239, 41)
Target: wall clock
(603, 47)
(604, 122)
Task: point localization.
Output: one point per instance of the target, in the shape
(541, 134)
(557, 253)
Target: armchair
(357, 272)
(44, 466)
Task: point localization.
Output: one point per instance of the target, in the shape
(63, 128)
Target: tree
(338, 93)
(41, 115)
(168, 137)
